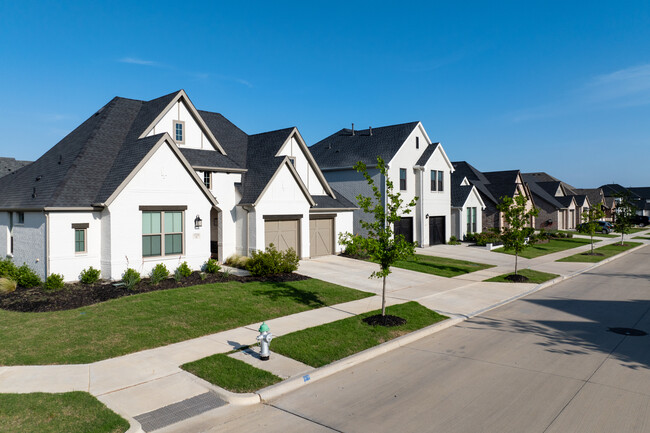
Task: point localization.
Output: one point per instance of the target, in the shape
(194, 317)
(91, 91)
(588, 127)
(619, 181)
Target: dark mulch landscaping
(592, 254)
(387, 320)
(80, 295)
(517, 278)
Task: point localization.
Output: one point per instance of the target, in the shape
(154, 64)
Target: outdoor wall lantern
(198, 222)
(426, 217)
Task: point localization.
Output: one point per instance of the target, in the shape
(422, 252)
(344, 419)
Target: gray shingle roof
(595, 195)
(459, 194)
(209, 158)
(10, 165)
(428, 151)
(462, 169)
(327, 202)
(342, 149)
(545, 191)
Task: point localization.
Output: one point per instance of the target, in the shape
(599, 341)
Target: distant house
(467, 207)
(417, 167)
(559, 208)
(640, 196)
(492, 187)
(147, 182)
(10, 165)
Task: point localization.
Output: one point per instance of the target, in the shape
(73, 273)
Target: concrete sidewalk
(150, 385)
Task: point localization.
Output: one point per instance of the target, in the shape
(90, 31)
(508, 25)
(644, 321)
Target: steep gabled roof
(326, 202)
(595, 195)
(427, 154)
(10, 165)
(233, 140)
(463, 169)
(580, 199)
(642, 191)
(344, 149)
(614, 190)
(459, 194)
(502, 183)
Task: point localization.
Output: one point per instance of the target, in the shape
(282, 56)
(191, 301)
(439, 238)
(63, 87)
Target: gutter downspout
(248, 228)
(420, 205)
(47, 244)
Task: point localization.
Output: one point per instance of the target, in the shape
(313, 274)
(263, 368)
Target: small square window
(21, 217)
(179, 131)
(402, 179)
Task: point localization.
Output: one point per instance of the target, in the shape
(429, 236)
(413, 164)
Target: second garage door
(284, 234)
(321, 237)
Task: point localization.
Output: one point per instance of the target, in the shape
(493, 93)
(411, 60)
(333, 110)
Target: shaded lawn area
(154, 319)
(231, 374)
(606, 251)
(440, 266)
(70, 412)
(597, 234)
(633, 230)
(535, 277)
(317, 347)
(642, 237)
(552, 246)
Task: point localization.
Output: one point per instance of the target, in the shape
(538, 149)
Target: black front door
(436, 230)
(404, 227)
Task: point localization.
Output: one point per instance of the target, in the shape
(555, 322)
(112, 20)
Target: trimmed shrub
(183, 270)
(272, 262)
(90, 275)
(7, 285)
(27, 278)
(130, 278)
(211, 266)
(237, 261)
(158, 273)
(354, 245)
(54, 282)
(8, 269)
(454, 241)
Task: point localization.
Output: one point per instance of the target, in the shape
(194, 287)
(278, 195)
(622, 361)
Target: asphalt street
(545, 363)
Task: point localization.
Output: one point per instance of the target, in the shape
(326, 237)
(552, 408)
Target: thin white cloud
(244, 82)
(137, 61)
(623, 88)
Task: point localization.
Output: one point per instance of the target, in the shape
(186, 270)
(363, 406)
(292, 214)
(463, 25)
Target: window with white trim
(402, 179)
(79, 240)
(162, 233)
(21, 218)
(434, 178)
(471, 220)
(441, 177)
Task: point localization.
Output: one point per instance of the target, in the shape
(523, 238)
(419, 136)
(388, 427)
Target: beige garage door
(321, 237)
(283, 234)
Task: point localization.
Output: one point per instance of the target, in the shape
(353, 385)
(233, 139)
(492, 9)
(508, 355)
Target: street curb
(234, 398)
(134, 426)
(316, 374)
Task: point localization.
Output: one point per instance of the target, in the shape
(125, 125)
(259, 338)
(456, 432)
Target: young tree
(381, 243)
(625, 210)
(589, 227)
(517, 224)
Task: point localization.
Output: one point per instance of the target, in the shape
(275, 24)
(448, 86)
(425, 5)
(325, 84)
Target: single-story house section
(147, 182)
(416, 166)
(466, 207)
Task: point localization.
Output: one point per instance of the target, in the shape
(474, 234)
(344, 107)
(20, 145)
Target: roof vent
(370, 129)
(353, 129)
(34, 193)
(60, 159)
(39, 177)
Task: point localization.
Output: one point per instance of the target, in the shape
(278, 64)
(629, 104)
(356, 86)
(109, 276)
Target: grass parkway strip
(440, 266)
(70, 412)
(134, 323)
(602, 253)
(552, 246)
(535, 277)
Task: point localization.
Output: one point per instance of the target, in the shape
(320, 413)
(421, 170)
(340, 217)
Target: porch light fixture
(427, 217)
(198, 222)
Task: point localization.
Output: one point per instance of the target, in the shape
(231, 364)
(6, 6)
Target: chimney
(353, 129)
(370, 129)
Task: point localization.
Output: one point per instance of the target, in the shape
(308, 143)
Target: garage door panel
(283, 234)
(321, 237)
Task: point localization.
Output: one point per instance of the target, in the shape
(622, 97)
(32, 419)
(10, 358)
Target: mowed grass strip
(642, 237)
(231, 374)
(552, 246)
(154, 319)
(534, 277)
(70, 412)
(597, 234)
(606, 251)
(440, 266)
(327, 343)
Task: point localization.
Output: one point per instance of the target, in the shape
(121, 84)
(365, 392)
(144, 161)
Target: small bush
(7, 285)
(491, 236)
(203, 276)
(54, 282)
(130, 278)
(211, 266)
(184, 270)
(159, 273)
(90, 275)
(354, 245)
(454, 241)
(27, 278)
(237, 261)
(272, 262)
(8, 269)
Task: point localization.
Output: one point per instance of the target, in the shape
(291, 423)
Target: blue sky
(561, 87)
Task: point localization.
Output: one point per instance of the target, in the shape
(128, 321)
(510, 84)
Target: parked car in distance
(640, 220)
(604, 227)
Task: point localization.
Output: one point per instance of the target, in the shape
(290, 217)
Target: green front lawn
(535, 277)
(597, 234)
(70, 412)
(440, 266)
(606, 251)
(231, 374)
(327, 343)
(552, 246)
(634, 230)
(154, 319)
(642, 237)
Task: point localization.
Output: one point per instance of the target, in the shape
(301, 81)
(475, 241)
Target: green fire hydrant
(264, 338)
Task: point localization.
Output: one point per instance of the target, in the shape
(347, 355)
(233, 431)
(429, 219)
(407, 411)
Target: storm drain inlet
(180, 411)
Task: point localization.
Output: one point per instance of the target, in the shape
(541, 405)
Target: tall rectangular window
(434, 177)
(468, 211)
(441, 177)
(474, 220)
(159, 227)
(179, 131)
(417, 142)
(80, 240)
(21, 217)
(207, 179)
(402, 179)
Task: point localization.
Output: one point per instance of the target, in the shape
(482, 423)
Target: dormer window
(179, 131)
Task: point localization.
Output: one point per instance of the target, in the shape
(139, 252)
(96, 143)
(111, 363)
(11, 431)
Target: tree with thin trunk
(625, 210)
(517, 224)
(380, 242)
(591, 217)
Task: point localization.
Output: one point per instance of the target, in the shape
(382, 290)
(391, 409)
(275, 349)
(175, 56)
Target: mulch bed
(517, 278)
(387, 320)
(80, 295)
(592, 254)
